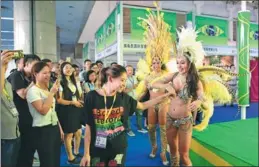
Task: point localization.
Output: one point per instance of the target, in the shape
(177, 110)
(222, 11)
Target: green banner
(85, 51)
(243, 31)
(212, 31)
(189, 16)
(253, 35)
(137, 31)
(100, 39)
(110, 26)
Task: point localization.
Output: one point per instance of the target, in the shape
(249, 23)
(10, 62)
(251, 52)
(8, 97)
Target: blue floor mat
(139, 145)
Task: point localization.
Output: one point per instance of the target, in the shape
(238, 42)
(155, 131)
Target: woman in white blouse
(46, 129)
(89, 81)
(70, 111)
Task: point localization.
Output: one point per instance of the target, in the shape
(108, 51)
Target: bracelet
(168, 86)
(201, 98)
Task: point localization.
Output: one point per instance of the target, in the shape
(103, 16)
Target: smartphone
(17, 54)
(59, 78)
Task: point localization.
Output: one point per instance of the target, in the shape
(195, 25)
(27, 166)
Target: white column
(58, 42)
(35, 28)
(119, 24)
(243, 108)
(45, 38)
(231, 9)
(256, 15)
(198, 7)
(23, 26)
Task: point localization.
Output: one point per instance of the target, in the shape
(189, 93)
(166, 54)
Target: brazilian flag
(253, 35)
(211, 30)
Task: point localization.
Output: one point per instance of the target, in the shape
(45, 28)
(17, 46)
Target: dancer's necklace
(182, 78)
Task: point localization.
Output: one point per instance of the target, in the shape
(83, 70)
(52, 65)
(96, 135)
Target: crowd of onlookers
(36, 103)
(42, 104)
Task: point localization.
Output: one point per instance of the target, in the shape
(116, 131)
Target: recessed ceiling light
(7, 31)
(71, 6)
(7, 18)
(7, 40)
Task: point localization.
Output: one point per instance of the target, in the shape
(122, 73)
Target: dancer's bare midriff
(178, 108)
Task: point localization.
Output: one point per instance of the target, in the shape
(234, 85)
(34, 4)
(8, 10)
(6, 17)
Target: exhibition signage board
(212, 31)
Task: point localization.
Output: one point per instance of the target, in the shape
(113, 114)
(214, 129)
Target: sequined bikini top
(183, 93)
(150, 78)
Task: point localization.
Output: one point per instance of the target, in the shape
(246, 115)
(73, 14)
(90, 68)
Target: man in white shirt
(87, 64)
(131, 84)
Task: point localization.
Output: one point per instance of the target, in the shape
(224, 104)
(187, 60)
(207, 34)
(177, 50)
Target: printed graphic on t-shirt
(112, 126)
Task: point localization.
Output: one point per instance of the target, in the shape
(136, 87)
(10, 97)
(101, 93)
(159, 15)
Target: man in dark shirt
(21, 82)
(19, 67)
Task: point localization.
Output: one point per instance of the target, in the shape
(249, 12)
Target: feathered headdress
(189, 47)
(157, 36)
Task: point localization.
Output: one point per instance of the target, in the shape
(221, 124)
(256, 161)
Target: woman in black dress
(69, 111)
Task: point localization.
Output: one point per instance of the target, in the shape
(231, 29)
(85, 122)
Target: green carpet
(236, 142)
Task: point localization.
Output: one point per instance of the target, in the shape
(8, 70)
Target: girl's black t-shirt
(94, 114)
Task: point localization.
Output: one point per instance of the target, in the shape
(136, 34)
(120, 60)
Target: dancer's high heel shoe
(164, 159)
(153, 152)
(175, 161)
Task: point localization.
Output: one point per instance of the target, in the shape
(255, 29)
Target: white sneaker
(142, 130)
(130, 133)
(36, 162)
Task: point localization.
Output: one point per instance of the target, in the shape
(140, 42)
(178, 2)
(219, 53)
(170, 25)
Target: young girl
(106, 114)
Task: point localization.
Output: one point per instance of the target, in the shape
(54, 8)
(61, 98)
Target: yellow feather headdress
(189, 47)
(157, 36)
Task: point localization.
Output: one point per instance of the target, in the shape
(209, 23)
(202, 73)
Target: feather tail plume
(212, 71)
(214, 91)
(217, 91)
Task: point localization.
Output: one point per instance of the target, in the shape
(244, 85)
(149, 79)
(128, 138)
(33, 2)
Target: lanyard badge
(101, 136)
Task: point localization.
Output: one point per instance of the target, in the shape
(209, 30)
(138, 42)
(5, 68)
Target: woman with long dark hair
(187, 88)
(70, 111)
(189, 92)
(106, 114)
(195, 90)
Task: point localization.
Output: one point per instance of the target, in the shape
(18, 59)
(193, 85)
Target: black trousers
(27, 148)
(48, 145)
(107, 158)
